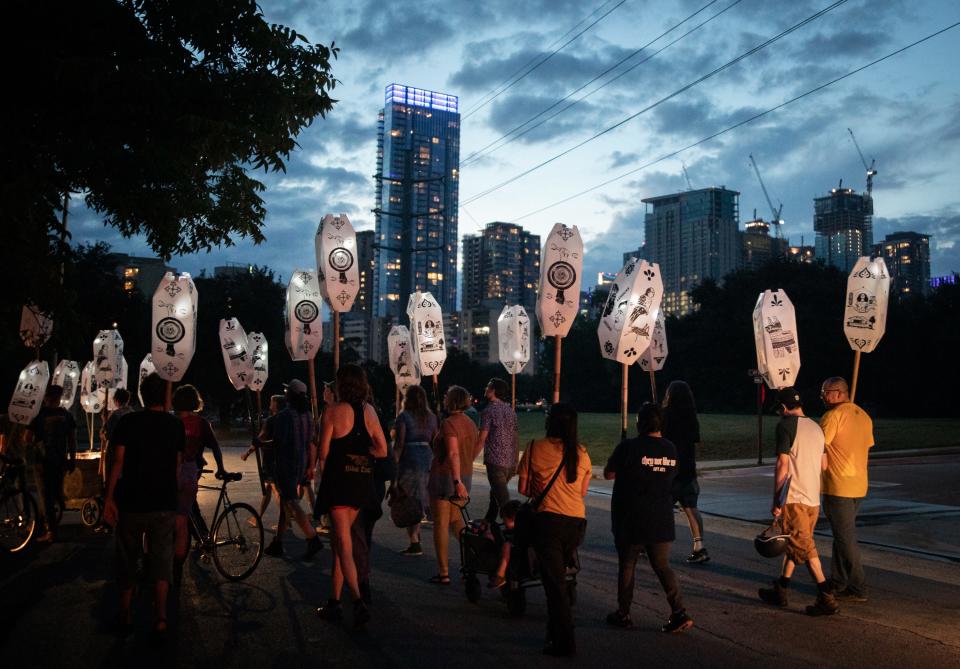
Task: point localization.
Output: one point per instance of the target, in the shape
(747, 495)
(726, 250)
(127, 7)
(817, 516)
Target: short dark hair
(456, 399)
(281, 401)
(187, 398)
(153, 390)
(352, 386)
(54, 393)
(649, 418)
(500, 388)
(121, 396)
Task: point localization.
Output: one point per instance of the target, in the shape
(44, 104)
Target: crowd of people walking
(153, 459)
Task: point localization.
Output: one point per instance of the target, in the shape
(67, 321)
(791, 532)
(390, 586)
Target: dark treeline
(712, 348)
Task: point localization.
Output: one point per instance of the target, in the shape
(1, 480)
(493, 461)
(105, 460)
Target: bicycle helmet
(772, 542)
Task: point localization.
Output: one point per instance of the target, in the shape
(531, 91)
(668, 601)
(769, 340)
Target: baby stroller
(480, 544)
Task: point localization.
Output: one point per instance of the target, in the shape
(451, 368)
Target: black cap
(789, 397)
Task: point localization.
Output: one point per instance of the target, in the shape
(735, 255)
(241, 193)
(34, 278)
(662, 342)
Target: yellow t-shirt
(848, 433)
(564, 498)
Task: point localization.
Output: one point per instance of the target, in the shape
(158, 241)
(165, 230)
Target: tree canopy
(156, 112)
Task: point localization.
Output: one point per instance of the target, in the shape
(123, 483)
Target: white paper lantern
(146, 369)
(236, 353)
(513, 338)
(67, 376)
(655, 356)
(260, 353)
(561, 267)
(426, 332)
(403, 364)
(174, 326)
(91, 396)
(336, 247)
(119, 382)
(28, 395)
(36, 326)
(302, 317)
(107, 357)
(630, 312)
(775, 336)
(865, 311)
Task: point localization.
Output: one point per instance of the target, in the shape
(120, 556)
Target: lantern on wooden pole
(403, 363)
(513, 344)
(174, 335)
(865, 310)
(303, 329)
(336, 248)
(426, 335)
(146, 369)
(67, 376)
(28, 394)
(653, 360)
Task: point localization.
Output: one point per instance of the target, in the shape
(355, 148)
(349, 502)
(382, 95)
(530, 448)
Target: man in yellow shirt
(848, 433)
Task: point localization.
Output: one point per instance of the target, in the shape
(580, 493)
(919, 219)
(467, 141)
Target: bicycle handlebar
(224, 476)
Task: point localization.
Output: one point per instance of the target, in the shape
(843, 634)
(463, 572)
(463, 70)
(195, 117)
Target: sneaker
(331, 611)
(314, 546)
(274, 549)
(850, 596)
(617, 619)
(698, 557)
(412, 549)
(826, 605)
(775, 596)
(678, 622)
(361, 614)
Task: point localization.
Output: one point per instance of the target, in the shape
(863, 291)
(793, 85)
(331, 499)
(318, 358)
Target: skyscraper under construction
(843, 221)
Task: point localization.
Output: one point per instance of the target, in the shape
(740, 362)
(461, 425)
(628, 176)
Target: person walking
(187, 405)
(556, 470)
(263, 442)
(54, 432)
(416, 427)
(682, 429)
(142, 499)
(801, 459)
(644, 470)
(500, 442)
(350, 438)
(293, 449)
(451, 476)
(848, 432)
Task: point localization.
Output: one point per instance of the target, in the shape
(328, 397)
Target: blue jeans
(846, 568)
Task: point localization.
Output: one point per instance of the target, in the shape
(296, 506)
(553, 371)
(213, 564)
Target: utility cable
(659, 102)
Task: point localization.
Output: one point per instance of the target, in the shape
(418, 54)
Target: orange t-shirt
(848, 432)
(538, 465)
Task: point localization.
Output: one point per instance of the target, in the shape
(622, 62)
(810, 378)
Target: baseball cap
(789, 397)
(296, 386)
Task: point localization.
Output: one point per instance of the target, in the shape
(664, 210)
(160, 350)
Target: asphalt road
(57, 603)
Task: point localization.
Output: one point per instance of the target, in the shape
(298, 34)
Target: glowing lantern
(775, 336)
(561, 267)
(630, 312)
(236, 353)
(174, 326)
(259, 352)
(67, 376)
(336, 247)
(28, 395)
(513, 338)
(35, 326)
(405, 370)
(304, 330)
(426, 332)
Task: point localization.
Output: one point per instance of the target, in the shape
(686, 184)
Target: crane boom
(871, 172)
(775, 212)
(686, 175)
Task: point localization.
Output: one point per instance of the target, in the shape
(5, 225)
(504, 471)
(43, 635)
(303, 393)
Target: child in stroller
(509, 514)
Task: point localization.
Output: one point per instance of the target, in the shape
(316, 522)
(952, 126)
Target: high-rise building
(139, 273)
(843, 221)
(367, 263)
(693, 236)
(757, 247)
(636, 253)
(501, 265)
(907, 256)
(418, 160)
(804, 254)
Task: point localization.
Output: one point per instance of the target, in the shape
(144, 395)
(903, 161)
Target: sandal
(439, 579)
(496, 581)
(160, 630)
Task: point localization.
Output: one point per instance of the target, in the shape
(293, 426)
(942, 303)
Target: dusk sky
(905, 112)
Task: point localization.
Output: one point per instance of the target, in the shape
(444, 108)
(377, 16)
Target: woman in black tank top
(346, 481)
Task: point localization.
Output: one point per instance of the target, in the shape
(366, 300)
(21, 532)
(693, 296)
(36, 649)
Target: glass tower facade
(843, 222)
(418, 160)
(501, 265)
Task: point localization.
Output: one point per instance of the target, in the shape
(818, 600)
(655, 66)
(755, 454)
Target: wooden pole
(254, 432)
(336, 342)
(168, 400)
(259, 410)
(557, 339)
(623, 400)
(397, 400)
(653, 385)
(312, 373)
(513, 392)
(856, 375)
(759, 383)
(436, 392)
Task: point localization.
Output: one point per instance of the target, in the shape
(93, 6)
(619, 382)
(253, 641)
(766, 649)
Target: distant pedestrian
(801, 459)
(350, 438)
(848, 432)
(263, 443)
(293, 448)
(187, 405)
(682, 429)
(55, 437)
(142, 498)
(500, 443)
(451, 476)
(644, 470)
(416, 427)
(120, 408)
(560, 467)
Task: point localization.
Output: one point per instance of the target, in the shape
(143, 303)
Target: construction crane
(686, 176)
(775, 212)
(871, 172)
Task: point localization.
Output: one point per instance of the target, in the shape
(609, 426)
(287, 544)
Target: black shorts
(159, 528)
(686, 493)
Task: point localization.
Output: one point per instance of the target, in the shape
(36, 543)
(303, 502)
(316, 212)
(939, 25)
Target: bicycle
(236, 542)
(18, 509)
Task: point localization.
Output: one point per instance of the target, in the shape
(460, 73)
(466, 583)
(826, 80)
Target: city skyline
(909, 123)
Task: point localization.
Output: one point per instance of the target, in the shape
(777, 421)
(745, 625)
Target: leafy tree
(154, 111)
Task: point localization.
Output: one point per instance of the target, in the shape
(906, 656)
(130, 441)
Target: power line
(483, 151)
(659, 102)
(739, 124)
(553, 53)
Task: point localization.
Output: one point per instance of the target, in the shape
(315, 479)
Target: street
(57, 603)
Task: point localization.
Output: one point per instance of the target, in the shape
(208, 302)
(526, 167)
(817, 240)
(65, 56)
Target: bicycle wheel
(18, 520)
(237, 545)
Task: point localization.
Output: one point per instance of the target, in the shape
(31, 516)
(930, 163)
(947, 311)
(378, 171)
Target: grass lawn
(728, 436)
